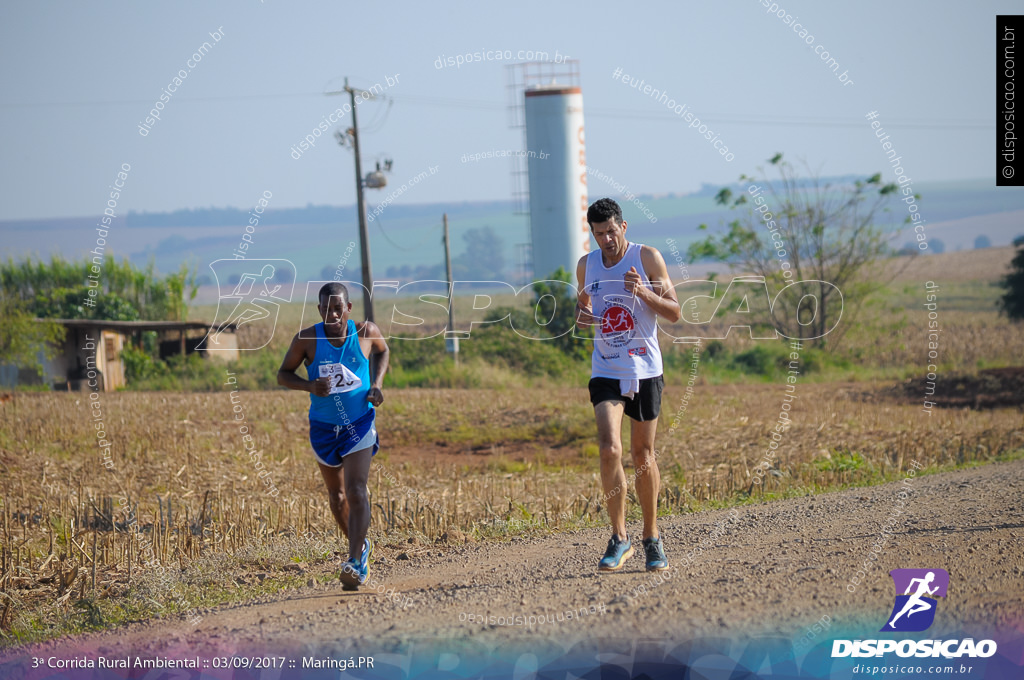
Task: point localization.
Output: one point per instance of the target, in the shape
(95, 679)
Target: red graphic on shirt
(616, 320)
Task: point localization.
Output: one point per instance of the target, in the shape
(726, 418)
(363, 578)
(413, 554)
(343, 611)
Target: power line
(380, 225)
(121, 102)
(592, 112)
(628, 114)
(381, 118)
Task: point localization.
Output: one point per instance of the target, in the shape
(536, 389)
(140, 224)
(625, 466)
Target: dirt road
(772, 568)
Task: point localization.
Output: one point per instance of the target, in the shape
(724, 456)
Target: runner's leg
(648, 478)
(919, 607)
(903, 611)
(357, 470)
(613, 478)
(334, 478)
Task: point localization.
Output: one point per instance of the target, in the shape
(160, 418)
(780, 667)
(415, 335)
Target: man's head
(606, 224)
(334, 306)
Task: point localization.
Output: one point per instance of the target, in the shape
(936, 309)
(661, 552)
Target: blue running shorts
(332, 442)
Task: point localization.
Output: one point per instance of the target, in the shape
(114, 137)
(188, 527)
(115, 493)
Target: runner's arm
(661, 297)
(380, 355)
(583, 307)
(293, 358)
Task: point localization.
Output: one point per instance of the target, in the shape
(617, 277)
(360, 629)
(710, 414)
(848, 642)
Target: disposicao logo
(914, 611)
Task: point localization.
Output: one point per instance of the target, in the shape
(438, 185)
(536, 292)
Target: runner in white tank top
(624, 287)
(626, 343)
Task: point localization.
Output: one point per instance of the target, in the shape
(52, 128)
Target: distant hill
(311, 214)
(405, 237)
(711, 190)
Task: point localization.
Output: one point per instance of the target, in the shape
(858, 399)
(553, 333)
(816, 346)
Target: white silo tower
(559, 231)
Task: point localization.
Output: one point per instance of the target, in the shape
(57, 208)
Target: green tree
(22, 337)
(824, 233)
(558, 303)
(68, 303)
(483, 259)
(59, 289)
(552, 316)
(177, 283)
(1011, 304)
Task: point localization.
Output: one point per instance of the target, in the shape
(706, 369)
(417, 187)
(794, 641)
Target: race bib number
(342, 379)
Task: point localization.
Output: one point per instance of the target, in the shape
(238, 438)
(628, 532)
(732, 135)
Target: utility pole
(451, 340)
(379, 181)
(364, 236)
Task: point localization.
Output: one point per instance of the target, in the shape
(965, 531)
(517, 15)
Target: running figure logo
(914, 610)
(617, 324)
(616, 320)
(249, 291)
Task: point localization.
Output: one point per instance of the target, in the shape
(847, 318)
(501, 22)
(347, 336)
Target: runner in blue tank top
(623, 287)
(346, 362)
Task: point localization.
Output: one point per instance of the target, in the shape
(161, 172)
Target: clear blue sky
(78, 78)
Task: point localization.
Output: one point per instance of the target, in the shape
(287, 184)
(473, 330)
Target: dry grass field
(180, 519)
(455, 465)
(966, 265)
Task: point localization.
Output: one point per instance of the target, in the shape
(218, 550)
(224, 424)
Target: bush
(192, 373)
(490, 350)
(139, 365)
(758, 360)
(501, 345)
(768, 359)
(841, 460)
(713, 349)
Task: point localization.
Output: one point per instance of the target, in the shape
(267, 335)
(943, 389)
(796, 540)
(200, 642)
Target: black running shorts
(645, 404)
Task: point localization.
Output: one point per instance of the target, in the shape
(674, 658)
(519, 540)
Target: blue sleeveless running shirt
(349, 371)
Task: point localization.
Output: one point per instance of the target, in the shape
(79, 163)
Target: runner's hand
(585, 316)
(322, 387)
(375, 396)
(633, 281)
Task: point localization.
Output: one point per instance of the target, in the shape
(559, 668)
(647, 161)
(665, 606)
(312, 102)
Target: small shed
(90, 357)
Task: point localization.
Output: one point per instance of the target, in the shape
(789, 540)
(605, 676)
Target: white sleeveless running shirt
(626, 343)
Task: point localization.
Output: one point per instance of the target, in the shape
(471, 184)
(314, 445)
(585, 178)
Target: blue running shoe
(656, 560)
(616, 554)
(367, 551)
(353, 575)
